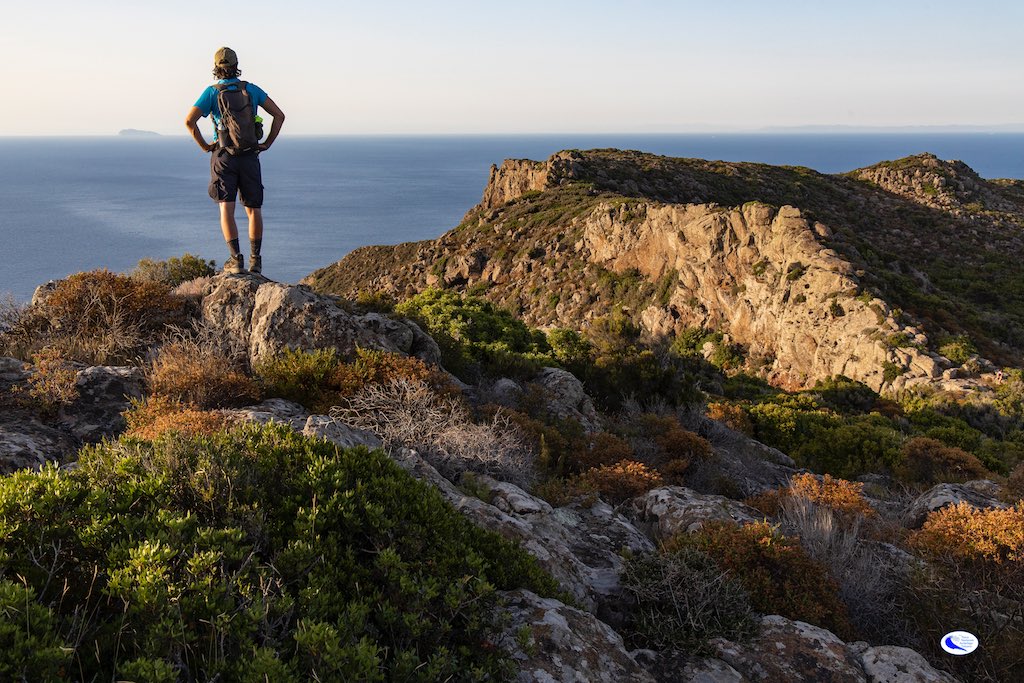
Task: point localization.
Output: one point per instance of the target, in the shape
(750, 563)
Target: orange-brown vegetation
(929, 461)
(732, 416)
(156, 415)
(776, 571)
(199, 374)
(621, 481)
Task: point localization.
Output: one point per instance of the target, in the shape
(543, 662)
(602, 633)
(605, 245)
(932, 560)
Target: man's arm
(275, 127)
(192, 123)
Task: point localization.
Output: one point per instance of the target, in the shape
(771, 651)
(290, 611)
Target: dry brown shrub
(98, 317)
(195, 369)
(995, 535)
(372, 366)
(52, 384)
(410, 413)
(732, 416)
(150, 418)
(604, 449)
(929, 461)
(837, 494)
(1015, 484)
(621, 481)
(677, 443)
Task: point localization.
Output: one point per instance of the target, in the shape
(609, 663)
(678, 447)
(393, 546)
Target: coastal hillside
(900, 274)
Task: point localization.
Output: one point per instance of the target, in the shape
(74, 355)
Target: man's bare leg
(227, 221)
(255, 223)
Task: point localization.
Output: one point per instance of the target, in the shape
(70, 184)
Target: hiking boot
(234, 265)
(255, 264)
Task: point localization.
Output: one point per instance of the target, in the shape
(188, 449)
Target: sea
(74, 204)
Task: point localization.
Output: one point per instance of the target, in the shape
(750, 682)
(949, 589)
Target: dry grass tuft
(156, 415)
(194, 368)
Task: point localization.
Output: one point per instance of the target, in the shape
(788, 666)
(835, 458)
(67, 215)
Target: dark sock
(233, 246)
(254, 246)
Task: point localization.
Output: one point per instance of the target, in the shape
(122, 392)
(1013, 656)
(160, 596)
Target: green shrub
(476, 337)
(174, 271)
(258, 550)
(845, 395)
(30, 647)
(683, 599)
(890, 371)
(958, 349)
(776, 572)
(300, 376)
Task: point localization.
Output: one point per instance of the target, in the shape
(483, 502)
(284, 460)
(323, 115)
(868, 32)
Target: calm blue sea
(72, 204)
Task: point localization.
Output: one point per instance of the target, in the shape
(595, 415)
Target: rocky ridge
(581, 546)
(810, 273)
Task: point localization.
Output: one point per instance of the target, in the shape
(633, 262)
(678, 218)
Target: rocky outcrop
(26, 442)
(787, 263)
(104, 392)
(567, 399)
(551, 641)
(944, 495)
(672, 510)
(264, 318)
(891, 664)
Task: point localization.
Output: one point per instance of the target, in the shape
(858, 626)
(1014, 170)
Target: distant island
(135, 133)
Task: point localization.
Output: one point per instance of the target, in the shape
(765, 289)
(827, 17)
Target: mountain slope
(865, 274)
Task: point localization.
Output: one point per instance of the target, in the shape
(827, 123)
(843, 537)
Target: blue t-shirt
(207, 102)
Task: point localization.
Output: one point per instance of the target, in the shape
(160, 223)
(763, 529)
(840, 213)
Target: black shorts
(239, 174)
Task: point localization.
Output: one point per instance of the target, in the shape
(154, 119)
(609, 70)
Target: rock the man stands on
(235, 166)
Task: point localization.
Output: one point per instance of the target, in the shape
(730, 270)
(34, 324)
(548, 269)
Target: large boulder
(670, 510)
(791, 651)
(891, 664)
(339, 433)
(27, 442)
(974, 494)
(272, 410)
(104, 392)
(568, 399)
(551, 641)
(579, 546)
(264, 318)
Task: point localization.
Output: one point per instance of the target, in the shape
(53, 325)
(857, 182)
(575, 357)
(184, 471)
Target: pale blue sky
(519, 67)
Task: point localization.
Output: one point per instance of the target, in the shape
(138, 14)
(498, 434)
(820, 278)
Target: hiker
(235, 166)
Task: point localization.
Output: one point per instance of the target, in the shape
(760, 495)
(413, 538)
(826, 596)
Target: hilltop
(894, 275)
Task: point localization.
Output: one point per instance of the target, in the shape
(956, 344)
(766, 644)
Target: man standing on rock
(235, 166)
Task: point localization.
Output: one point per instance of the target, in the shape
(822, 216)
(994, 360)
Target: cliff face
(814, 275)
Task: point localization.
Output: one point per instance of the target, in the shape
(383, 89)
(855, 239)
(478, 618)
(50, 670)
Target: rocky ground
(580, 545)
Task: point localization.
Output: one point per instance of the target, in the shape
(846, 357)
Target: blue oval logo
(959, 643)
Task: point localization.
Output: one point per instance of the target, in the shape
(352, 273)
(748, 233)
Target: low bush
(52, 384)
(928, 461)
(251, 555)
(776, 572)
(683, 599)
(619, 482)
(149, 418)
(732, 416)
(194, 369)
(409, 413)
(174, 271)
(974, 578)
(305, 377)
(476, 337)
(98, 318)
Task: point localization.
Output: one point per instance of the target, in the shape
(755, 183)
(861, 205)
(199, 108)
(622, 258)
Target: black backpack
(238, 128)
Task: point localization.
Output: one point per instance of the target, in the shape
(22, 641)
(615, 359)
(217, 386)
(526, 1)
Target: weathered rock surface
(339, 433)
(944, 495)
(671, 510)
(271, 410)
(27, 442)
(568, 398)
(104, 392)
(564, 644)
(891, 664)
(265, 317)
(792, 651)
